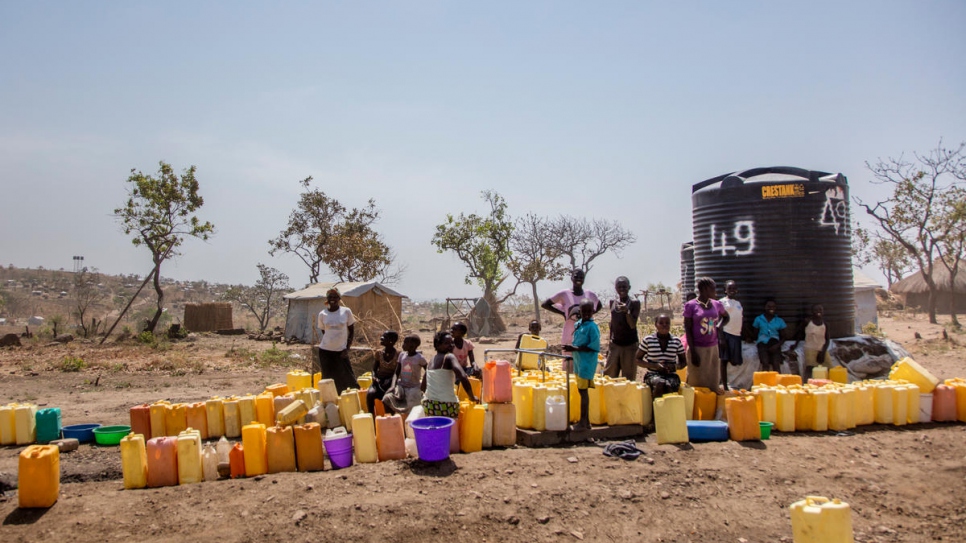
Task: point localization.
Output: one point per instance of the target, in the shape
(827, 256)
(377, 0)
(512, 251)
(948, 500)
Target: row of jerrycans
(543, 405)
(219, 417)
(837, 408)
(166, 461)
(23, 424)
(671, 413)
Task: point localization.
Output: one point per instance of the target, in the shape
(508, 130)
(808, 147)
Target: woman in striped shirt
(661, 353)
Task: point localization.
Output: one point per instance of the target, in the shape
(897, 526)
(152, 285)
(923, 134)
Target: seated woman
(661, 354)
(439, 395)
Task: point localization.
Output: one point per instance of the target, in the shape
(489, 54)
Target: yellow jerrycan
(189, 457)
(882, 395)
(647, 404)
(900, 405)
(157, 412)
(247, 413)
(838, 406)
(863, 404)
(912, 407)
(598, 403)
(908, 369)
(764, 378)
(134, 461)
(538, 416)
(26, 424)
(820, 416)
(233, 422)
(176, 419)
(766, 399)
(530, 342)
(349, 406)
(364, 438)
(297, 380)
(688, 393)
(785, 412)
(254, 444)
(839, 374)
(38, 475)
(705, 404)
(472, 419)
(265, 409)
(504, 425)
(743, 418)
(522, 403)
(215, 408)
(669, 419)
(817, 519)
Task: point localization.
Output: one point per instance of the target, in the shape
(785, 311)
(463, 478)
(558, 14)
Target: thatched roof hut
(375, 306)
(915, 293)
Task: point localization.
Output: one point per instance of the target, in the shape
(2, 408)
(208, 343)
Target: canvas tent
(375, 306)
(914, 292)
(865, 302)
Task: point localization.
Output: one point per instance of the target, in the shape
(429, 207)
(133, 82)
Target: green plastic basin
(110, 435)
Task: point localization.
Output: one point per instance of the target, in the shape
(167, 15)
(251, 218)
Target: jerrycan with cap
(264, 409)
(233, 422)
(350, 405)
(26, 424)
(247, 413)
(134, 461)
(390, 438)
(197, 417)
(8, 423)
(523, 403)
(816, 519)
(236, 461)
(364, 438)
(158, 410)
(190, 469)
(141, 420)
(309, 454)
(215, 408)
(280, 449)
(176, 419)
(38, 476)
(670, 421)
(254, 445)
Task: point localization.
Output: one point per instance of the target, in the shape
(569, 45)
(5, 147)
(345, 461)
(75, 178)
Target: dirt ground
(903, 483)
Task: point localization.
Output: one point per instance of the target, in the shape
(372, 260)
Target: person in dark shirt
(624, 312)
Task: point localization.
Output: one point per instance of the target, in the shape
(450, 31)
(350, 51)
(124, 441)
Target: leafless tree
(583, 240)
(535, 255)
(920, 215)
(265, 299)
(84, 296)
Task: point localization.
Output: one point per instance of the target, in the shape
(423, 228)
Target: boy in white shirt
(729, 345)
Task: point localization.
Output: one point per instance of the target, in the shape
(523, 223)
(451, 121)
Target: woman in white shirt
(337, 326)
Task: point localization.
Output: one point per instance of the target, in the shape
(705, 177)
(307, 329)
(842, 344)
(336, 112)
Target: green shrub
(872, 329)
(72, 364)
(276, 357)
(147, 337)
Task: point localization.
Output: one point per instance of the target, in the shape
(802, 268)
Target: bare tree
(84, 296)
(917, 214)
(535, 255)
(582, 240)
(266, 298)
(953, 245)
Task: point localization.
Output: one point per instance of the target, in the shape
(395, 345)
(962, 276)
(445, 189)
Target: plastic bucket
(339, 450)
(925, 407)
(765, 429)
(432, 437)
(84, 433)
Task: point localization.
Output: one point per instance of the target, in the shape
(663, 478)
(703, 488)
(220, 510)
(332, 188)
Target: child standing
(405, 393)
(816, 341)
(383, 369)
(730, 340)
(439, 398)
(566, 302)
(624, 312)
(463, 350)
(769, 326)
(585, 346)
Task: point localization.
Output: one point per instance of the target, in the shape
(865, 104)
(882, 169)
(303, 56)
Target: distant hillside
(29, 292)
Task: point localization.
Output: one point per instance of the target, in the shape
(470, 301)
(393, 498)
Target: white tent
(865, 302)
(375, 306)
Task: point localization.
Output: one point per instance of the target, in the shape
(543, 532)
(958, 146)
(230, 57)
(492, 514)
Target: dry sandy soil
(903, 483)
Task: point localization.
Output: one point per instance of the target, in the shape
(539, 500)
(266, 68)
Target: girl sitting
(439, 396)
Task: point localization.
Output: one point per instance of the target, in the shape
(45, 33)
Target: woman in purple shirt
(703, 317)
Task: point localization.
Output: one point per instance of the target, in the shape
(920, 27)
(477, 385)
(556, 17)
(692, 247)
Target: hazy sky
(598, 109)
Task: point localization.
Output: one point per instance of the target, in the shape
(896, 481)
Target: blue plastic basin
(81, 432)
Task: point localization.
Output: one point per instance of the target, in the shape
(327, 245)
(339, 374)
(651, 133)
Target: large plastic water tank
(781, 233)
(687, 268)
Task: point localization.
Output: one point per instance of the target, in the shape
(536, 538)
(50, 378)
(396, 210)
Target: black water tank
(687, 269)
(780, 233)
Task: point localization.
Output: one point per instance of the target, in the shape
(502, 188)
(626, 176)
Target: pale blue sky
(599, 109)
